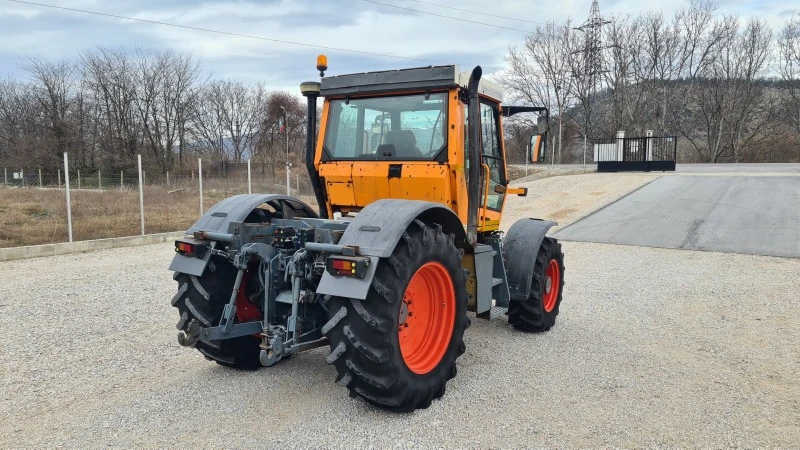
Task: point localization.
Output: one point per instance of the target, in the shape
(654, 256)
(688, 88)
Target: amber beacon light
(322, 64)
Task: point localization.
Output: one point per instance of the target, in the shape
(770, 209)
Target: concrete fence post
(249, 183)
(69, 205)
(649, 134)
(59, 178)
(121, 180)
(288, 174)
(620, 145)
(168, 178)
(141, 193)
(297, 176)
(40, 178)
(22, 176)
(5, 175)
(99, 180)
(79, 178)
(200, 177)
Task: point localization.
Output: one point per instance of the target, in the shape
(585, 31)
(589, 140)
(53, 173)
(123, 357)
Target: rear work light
(347, 266)
(190, 249)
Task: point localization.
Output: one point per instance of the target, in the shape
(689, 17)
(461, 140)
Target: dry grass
(31, 216)
(34, 216)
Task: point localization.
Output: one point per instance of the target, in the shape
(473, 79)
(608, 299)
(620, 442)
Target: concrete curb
(65, 248)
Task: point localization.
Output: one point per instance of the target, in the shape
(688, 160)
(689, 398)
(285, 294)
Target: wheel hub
(404, 311)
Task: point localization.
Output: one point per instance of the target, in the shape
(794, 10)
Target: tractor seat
(404, 142)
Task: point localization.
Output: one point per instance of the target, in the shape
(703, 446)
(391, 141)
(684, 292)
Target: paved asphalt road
(747, 168)
(757, 215)
(701, 168)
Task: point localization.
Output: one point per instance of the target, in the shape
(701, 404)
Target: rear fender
(235, 209)
(376, 230)
(520, 248)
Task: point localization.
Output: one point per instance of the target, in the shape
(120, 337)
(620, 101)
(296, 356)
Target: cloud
(351, 24)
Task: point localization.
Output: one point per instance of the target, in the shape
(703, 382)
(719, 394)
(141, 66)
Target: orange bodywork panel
(351, 185)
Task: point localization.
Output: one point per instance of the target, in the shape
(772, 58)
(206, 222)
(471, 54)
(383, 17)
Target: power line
(227, 33)
(448, 17)
(479, 12)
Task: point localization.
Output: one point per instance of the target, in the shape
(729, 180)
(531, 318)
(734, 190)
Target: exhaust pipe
(474, 132)
(310, 89)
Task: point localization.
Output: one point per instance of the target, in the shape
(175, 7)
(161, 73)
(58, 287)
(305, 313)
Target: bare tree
(54, 89)
(110, 76)
(165, 93)
(230, 110)
(789, 69)
(729, 110)
(540, 72)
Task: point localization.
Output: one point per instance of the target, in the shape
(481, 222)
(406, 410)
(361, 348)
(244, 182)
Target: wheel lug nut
(405, 325)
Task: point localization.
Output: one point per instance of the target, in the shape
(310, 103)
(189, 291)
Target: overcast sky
(351, 24)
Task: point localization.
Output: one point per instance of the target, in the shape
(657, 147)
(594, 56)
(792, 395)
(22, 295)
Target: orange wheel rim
(427, 317)
(552, 282)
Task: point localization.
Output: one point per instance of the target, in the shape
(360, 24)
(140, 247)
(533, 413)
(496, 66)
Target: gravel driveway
(653, 347)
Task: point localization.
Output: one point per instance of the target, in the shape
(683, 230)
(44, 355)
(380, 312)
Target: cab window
(404, 127)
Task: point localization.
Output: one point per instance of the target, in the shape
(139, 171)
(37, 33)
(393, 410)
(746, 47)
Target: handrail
(485, 195)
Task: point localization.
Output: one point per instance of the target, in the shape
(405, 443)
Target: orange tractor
(410, 177)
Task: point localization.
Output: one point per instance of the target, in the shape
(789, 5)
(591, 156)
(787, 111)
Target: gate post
(649, 140)
(620, 145)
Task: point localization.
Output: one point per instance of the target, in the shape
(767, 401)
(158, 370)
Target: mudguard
(235, 209)
(520, 247)
(376, 230)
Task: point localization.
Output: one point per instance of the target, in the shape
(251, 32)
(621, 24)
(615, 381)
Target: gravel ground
(699, 349)
(653, 347)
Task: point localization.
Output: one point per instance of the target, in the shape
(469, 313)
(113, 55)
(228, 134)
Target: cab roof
(387, 81)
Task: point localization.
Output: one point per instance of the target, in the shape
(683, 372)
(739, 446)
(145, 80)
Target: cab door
(493, 167)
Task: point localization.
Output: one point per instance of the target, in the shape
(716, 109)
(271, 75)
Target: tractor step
(499, 311)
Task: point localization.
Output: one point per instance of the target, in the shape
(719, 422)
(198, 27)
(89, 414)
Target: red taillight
(347, 266)
(184, 248)
(191, 247)
(338, 264)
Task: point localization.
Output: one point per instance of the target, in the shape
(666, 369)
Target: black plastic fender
(235, 209)
(377, 228)
(520, 247)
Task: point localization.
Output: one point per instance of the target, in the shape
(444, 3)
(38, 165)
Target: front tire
(538, 312)
(398, 348)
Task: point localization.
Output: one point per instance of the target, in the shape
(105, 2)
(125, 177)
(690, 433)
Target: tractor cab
(402, 134)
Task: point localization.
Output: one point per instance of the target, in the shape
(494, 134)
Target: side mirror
(538, 147)
(542, 125)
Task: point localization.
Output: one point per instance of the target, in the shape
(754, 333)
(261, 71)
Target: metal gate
(653, 153)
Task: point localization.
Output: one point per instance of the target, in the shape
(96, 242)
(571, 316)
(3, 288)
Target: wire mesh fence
(33, 202)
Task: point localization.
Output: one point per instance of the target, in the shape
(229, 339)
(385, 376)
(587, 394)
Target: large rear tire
(398, 348)
(538, 312)
(203, 299)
